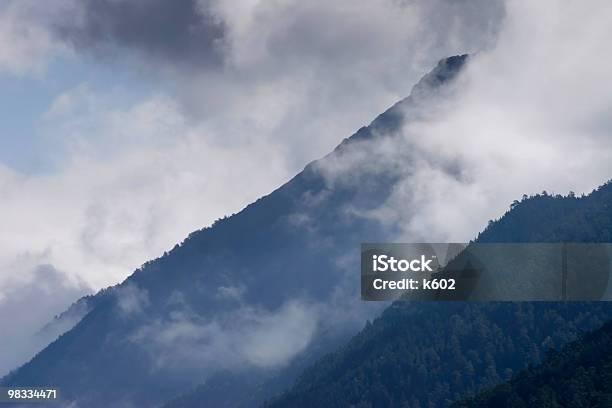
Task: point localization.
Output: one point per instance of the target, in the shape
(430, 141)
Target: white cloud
(25, 43)
(131, 299)
(135, 177)
(28, 303)
(244, 338)
(135, 182)
(276, 338)
(530, 114)
(303, 75)
(233, 293)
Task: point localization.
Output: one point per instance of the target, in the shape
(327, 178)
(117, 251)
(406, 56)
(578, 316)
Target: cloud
(527, 115)
(28, 303)
(278, 337)
(25, 43)
(300, 75)
(183, 31)
(133, 175)
(135, 181)
(207, 34)
(303, 75)
(234, 293)
(131, 299)
(246, 337)
(243, 337)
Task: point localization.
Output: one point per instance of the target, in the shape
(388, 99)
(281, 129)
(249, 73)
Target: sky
(128, 124)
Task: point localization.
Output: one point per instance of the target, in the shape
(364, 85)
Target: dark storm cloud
(179, 31)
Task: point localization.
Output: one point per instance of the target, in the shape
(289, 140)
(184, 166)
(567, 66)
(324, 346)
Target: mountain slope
(256, 295)
(580, 375)
(430, 354)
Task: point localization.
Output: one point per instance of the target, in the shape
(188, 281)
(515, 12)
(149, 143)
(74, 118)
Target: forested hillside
(580, 375)
(546, 217)
(431, 354)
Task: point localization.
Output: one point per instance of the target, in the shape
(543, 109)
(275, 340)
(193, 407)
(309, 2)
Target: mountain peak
(391, 120)
(279, 264)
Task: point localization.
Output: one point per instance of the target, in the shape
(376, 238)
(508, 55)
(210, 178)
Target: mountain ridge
(433, 353)
(216, 301)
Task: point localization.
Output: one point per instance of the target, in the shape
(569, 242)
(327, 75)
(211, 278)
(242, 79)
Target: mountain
(580, 375)
(420, 354)
(429, 355)
(241, 307)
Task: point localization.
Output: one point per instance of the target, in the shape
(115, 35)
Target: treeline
(430, 355)
(433, 354)
(555, 218)
(580, 375)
